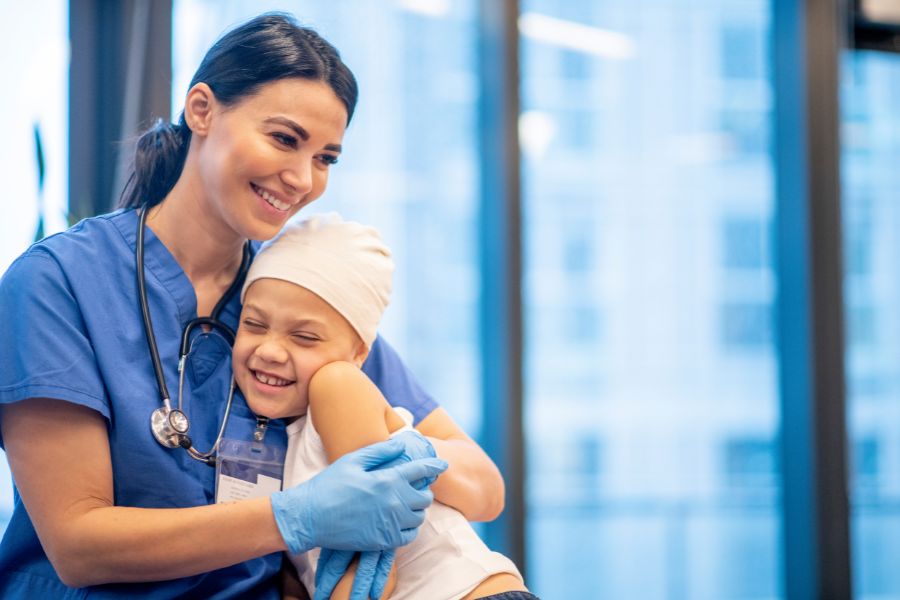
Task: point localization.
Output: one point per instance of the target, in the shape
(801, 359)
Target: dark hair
(267, 48)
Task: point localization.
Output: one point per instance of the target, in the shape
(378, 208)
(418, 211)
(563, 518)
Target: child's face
(286, 334)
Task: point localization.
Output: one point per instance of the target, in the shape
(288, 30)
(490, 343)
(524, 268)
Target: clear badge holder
(247, 469)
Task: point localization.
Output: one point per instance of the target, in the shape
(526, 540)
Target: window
(745, 244)
(870, 186)
(743, 52)
(629, 221)
(746, 325)
(750, 463)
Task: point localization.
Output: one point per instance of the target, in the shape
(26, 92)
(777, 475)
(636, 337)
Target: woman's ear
(198, 108)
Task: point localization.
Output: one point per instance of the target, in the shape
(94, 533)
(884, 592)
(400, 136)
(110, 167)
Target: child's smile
(286, 334)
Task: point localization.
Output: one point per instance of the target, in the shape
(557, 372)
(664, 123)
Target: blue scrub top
(72, 331)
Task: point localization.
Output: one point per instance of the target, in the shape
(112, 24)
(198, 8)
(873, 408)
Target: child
(311, 304)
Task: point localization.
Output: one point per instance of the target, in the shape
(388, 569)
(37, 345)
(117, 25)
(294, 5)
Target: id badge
(247, 470)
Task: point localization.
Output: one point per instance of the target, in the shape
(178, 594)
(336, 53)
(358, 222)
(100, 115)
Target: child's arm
(348, 410)
(349, 413)
(291, 587)
(472, 484)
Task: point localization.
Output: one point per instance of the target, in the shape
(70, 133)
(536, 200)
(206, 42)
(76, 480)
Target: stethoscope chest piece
(169, 427)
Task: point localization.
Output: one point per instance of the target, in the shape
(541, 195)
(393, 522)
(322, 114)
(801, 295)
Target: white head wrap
(344, 263)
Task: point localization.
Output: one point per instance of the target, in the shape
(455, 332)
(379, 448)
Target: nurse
(102, 505)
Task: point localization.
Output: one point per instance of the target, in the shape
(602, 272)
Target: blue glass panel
(870, 131)
(36, 34)
(651, 409)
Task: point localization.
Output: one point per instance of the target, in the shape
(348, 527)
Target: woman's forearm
(121, 544)
(472, 484)
(59, 456)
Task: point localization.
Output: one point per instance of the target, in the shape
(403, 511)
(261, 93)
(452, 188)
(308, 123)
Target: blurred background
(583, 200)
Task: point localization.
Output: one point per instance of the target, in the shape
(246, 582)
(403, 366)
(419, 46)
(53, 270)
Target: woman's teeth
(269, 380)
(271, 199)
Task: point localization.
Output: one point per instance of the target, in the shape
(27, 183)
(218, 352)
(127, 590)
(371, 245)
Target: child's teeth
(270, 380)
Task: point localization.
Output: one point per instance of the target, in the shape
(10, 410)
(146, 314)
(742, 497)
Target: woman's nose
(299, 176)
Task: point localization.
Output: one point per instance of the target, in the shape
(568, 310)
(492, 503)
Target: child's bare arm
(348, 410)
(349, 413)
(291, 588)
(472, 484)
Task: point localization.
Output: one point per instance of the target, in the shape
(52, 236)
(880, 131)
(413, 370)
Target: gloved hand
(352, 506)
(374, 567)
(416, 446)
(371, 577)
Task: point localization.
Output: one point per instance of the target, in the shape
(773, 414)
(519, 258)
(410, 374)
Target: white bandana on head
(344, 263)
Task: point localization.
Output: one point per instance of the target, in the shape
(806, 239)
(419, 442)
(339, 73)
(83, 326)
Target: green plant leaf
(39, 149)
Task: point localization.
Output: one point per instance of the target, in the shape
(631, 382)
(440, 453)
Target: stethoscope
(170, 425)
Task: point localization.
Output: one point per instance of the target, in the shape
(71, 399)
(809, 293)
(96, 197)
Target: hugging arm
(472, 483)
(60, 459)
(59, 456)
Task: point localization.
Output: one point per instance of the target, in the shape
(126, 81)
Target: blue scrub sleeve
(44, 350)
(385, 368)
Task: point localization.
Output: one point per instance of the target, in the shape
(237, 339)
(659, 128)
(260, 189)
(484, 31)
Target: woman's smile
(271, 198)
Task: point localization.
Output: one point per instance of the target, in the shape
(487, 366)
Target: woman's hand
(353, 505)
(370, 578)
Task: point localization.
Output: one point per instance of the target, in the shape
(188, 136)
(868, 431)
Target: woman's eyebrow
(300, 131)
(304, 135)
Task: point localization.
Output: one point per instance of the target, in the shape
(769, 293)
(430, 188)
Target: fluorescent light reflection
(429, 8)
(536, 131)
(576, 36)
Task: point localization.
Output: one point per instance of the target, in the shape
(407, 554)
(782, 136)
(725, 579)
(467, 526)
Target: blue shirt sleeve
(44, 350)
(385, 368)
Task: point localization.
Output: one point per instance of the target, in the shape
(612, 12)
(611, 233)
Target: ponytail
(158, 160)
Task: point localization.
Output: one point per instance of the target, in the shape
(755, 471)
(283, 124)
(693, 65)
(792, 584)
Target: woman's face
(263, 159)
(286, 334)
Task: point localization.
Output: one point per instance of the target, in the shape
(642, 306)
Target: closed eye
(305, 338)
(252, 325)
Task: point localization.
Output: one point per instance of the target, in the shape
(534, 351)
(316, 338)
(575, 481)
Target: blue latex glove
(416, 446)
(352, 506)
(374, 566)
(371, 577)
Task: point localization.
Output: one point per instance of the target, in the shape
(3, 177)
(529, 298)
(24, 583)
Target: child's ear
(362, 352)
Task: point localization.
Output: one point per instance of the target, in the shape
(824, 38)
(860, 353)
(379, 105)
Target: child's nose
(272, 351)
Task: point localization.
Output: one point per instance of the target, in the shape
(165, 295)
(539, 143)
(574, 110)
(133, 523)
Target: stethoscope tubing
(211, 321)
(145, 310)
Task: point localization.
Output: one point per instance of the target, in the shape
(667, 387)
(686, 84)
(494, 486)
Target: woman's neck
(208, 251)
